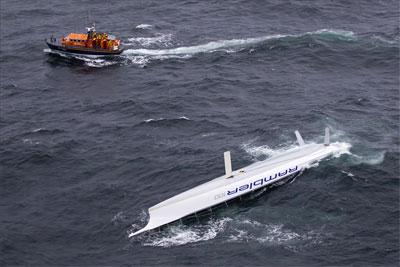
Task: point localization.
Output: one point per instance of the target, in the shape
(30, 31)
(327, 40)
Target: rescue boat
(90, 43)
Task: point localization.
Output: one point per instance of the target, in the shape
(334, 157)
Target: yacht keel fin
(228, 164)
(299, 138)
(327, 137)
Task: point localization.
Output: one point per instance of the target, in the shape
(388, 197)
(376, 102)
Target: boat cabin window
(76, 40)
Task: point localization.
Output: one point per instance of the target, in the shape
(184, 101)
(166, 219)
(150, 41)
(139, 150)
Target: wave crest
(144, 26)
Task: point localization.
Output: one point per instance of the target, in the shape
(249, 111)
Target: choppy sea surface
(88, 144)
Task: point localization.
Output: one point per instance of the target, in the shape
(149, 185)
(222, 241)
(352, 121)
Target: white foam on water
(343, 149)
(348, 173)
(265, 150)
(246, 230)
(37, 130)
(64, 55)
(30, 141)
(372, 159)
(96, 62)
(150, 120)
(144, 26)
(229, 230)
(221, 45)
(369, 158)
(141, 61)
(100, 64)
(276, 234)
(208, 134)
(385, 40)
(141, 219)
(70, 55)
(227, 45)
(119, 217)
(337, 32)
(312, 165)
(256, 151)
(182, 235)
(164, 40)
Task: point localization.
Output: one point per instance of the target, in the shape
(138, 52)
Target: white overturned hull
(239, 182)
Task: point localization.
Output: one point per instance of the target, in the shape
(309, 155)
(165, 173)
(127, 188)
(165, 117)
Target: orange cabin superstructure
(92, 40)
(75, 39)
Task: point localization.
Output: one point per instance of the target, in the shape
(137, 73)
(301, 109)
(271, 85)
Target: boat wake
(226, 46)
(234, 45)
(160, 40)
(89, 60)
(141, 50)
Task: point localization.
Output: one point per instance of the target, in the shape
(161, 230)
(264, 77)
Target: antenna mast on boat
(88, 18)
(89, 21)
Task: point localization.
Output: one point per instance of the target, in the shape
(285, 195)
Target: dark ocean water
(87, 145)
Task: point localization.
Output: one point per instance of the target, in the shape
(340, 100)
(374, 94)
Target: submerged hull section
(240, 182)
(83, 50)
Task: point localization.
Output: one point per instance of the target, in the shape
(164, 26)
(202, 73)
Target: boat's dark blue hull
(83, 50)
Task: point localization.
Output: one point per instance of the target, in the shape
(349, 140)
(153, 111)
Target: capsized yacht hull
(240, 182)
